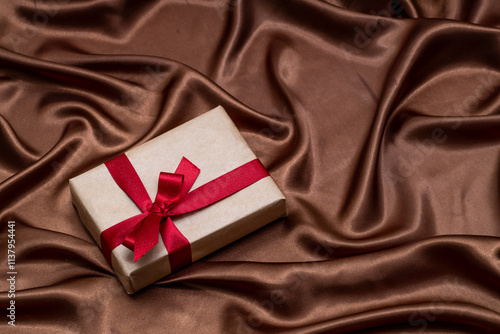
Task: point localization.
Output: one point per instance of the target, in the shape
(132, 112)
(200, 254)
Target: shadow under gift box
(211, 142)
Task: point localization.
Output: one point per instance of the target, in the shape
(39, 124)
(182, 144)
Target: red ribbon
(140, 233)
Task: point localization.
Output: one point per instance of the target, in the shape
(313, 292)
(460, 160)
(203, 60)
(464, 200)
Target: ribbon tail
(146, 236)
(178, 247)
(116, 234)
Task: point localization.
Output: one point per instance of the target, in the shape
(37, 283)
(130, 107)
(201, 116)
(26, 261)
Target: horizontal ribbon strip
(140, 233)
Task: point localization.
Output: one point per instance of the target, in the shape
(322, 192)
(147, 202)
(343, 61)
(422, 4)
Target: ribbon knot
(170, 188)
(144, 236)
(158, 208)
(140, 233)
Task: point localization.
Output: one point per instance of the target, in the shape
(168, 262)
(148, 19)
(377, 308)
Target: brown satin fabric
(379, 122)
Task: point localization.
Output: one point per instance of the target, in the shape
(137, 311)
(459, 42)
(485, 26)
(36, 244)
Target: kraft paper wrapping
(213, 143)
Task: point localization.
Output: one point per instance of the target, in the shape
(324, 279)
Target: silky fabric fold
(378, 119)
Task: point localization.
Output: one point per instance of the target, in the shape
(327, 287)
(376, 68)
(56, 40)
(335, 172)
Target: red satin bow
(140, 233)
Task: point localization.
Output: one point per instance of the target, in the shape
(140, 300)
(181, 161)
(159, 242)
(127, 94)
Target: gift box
(175, 199)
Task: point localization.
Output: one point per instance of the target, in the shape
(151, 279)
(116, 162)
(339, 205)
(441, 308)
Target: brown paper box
(213, 143)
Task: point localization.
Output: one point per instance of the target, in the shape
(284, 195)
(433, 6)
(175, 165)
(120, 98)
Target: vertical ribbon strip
(140, 233)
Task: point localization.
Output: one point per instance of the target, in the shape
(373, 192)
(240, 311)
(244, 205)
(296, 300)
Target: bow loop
(169, 189)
